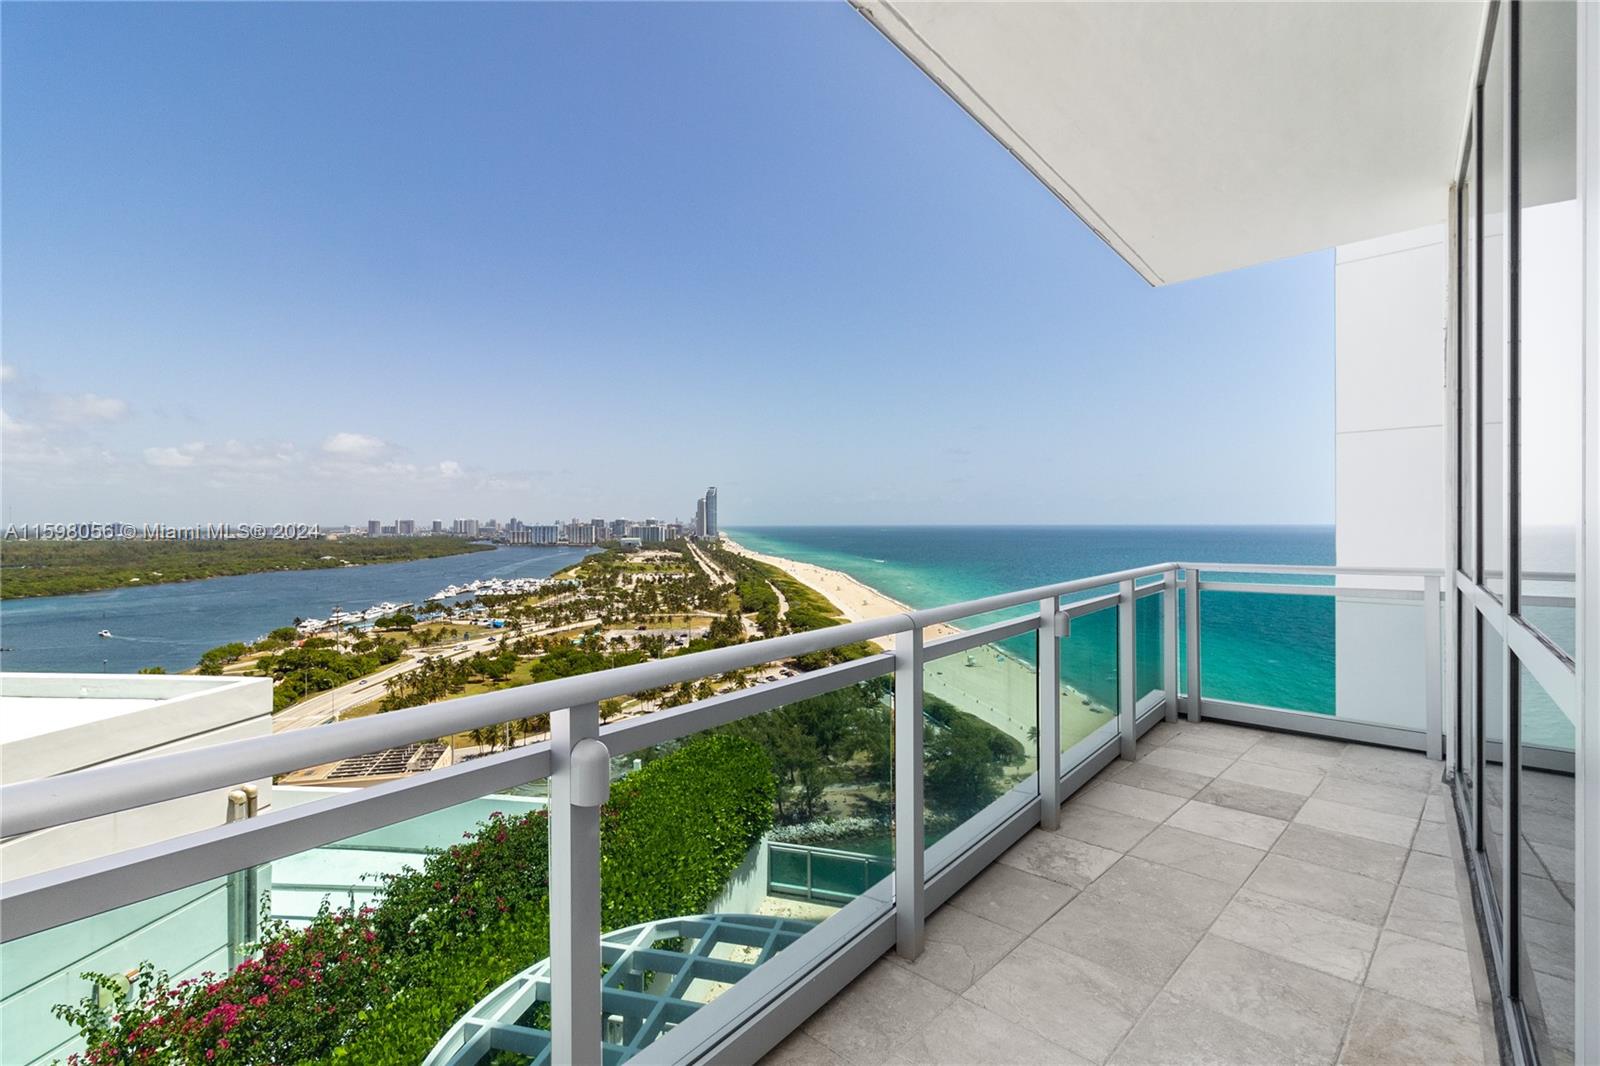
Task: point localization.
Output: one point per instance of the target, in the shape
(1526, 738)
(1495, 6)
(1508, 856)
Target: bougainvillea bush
(299, 997)
(381, 985)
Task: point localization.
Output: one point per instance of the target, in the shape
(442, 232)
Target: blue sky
(323, 262)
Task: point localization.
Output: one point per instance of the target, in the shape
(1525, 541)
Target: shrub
(299, 998)
(384, 984)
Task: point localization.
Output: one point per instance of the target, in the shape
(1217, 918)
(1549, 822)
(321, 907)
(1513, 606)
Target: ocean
(171, 625)
(1273, 650)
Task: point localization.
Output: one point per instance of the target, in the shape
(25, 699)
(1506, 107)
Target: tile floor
(1233, 897)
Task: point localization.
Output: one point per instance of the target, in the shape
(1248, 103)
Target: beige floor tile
(1206, 763)
(1142, 887)
(968, 1035)
(1423, 972)
(1439, 808)
(877, 1012)
(1393, 769)
(1063, 998)
(1302, 934)
(1299, 742)
(801, 1050)
(1143, 946)
(1361, 899)
(1173, 1033)
(1161, 779)
(1106, 829)
(1059, 858)
(1129, 800)
(1430, 873)
(1215, 736)
(1225, 823)
(1160, 733)
(1288, 759)
(960, 948)
(1343, 818)
(1387, 1031)
(1013, 898)
(1265, 775)
(1295, 1003)
(1428, 916)
(1340, 851)
(1242, 796)
(1406, 802)
(1218, 860)
(1433, 837)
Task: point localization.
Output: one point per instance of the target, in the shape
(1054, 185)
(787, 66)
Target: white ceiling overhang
(1200, 137)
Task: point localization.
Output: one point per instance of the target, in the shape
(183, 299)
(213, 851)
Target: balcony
(1234, 895)
(1077, 846)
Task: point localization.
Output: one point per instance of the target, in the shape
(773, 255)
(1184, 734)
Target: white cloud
(450, 469)
(74, 409)
(7, 373)
(173, 457)
(354, 446)
(12, 428)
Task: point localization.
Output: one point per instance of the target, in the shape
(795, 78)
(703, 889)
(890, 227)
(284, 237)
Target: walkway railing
(1115, 671)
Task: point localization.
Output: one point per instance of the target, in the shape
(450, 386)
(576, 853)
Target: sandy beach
(988, 682)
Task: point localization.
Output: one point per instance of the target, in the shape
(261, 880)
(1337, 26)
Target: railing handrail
(44, 802)
(1316, 569)
(28, 806)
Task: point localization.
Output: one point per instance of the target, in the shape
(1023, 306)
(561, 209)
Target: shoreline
(1002, 691)
(307, 566)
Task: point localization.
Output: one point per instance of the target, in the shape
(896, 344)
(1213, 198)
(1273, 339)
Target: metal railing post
(1433, 682)
(1191, 619)
(908, 811)
(1049, 715)
(575, 1008)
(1169, 641)
(1127, 683)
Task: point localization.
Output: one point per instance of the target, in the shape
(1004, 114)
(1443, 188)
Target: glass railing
(1149, 643)
(980, 737)
(594, 889)
(1089, 676)
(1362, 649)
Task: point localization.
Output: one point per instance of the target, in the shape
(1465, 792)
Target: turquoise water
(1273, 650)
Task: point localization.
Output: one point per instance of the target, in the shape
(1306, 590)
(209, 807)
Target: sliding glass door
(1519, 431)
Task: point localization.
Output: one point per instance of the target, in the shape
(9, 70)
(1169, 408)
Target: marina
(170, 626)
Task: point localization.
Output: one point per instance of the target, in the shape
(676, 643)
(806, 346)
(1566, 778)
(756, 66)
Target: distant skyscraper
(711, 511)
(438, 526)
(374, 527)
(700, 517)
(405, 527)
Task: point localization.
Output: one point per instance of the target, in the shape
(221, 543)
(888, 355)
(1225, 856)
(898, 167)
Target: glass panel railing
(722, 848)
(379, 941)
(980, 738)
(1381, 658)
(1149, 643)
(1088, 659)
(1270, 650)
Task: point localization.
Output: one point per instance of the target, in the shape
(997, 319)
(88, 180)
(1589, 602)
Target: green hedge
(471, 916)
(673, 833)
